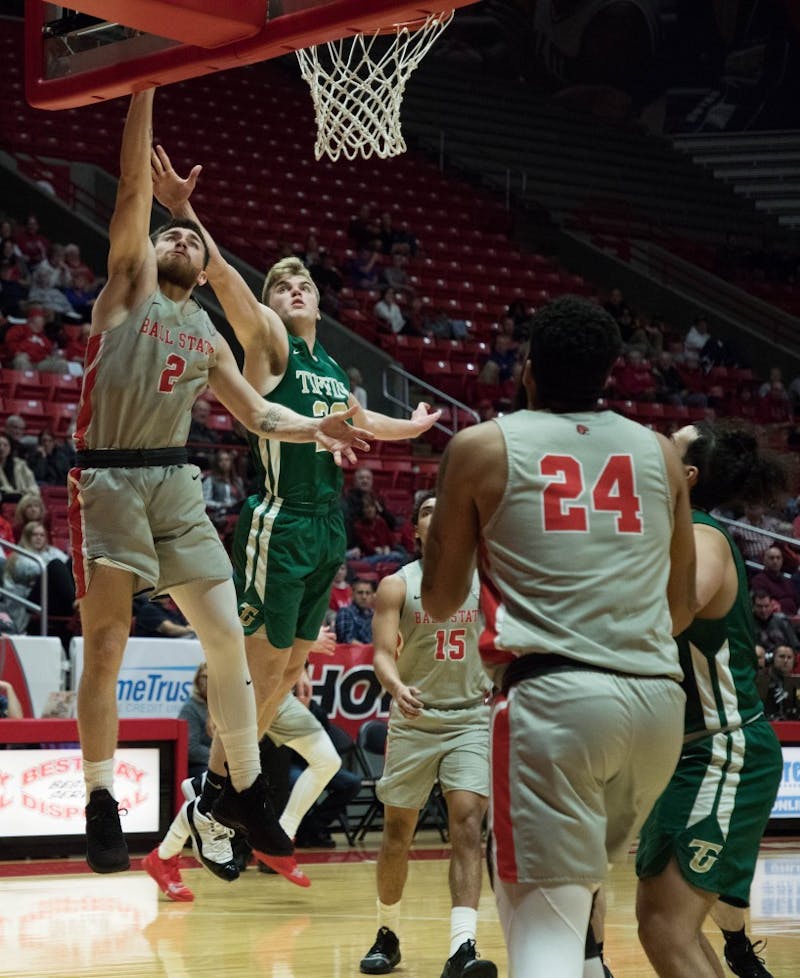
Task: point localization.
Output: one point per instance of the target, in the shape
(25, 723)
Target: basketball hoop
(357, 87)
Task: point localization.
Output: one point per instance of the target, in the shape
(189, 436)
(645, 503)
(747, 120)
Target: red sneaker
(168, 876)
(286, 866)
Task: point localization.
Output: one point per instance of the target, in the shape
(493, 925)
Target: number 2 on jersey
(175, 365)
(613, 492)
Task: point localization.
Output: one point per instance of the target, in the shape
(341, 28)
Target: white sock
(98, 774)
(323, 762)
(593, 968)
(175, 839)
(463, 927)
(389, 916)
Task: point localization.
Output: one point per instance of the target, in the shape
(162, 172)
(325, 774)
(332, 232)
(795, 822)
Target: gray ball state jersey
(575, 560)
(142, 377)
(440, 657)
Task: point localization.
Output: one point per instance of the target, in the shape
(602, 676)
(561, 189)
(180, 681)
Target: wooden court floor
(57, 921)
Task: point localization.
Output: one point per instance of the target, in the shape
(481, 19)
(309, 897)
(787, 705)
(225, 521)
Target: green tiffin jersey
(314, 385)
(719, 661)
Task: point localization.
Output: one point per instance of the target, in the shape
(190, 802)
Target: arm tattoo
(270, 420)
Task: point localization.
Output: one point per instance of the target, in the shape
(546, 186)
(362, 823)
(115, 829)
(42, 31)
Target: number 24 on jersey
(614, 491)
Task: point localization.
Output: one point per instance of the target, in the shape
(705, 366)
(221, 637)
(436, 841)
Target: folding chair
(370, 750)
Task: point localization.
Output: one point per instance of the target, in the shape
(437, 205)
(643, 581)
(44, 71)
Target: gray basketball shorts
(578, 760)
(292, 721)
(150, 521)
(451, 746)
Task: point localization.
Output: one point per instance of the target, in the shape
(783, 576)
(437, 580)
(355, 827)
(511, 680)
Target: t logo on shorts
(705, 856)
(247, 614)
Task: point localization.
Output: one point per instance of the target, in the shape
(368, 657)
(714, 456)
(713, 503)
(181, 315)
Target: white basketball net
(357, 94)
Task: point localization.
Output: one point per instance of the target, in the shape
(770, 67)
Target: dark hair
(364, 580)
(574, 344)
(761, 593)
(423, 497)
(183, 222)
(732, 467)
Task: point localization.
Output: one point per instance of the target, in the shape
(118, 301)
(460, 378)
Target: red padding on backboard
(203, 23)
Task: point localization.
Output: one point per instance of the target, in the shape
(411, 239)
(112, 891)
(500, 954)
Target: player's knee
(656, 931)
(466, 825)
(103, 647)
(397, 836)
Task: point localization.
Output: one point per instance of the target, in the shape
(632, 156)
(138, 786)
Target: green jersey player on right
(698, 849)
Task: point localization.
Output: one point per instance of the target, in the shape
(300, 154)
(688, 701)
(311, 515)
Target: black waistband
(130, 458)
(542, 664)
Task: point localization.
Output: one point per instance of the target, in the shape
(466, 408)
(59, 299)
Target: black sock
(600, 949)
(736, 938)
(212, 789)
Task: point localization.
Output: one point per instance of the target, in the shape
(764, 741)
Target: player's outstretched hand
(169, 189)
(342, 439)
(423, 418)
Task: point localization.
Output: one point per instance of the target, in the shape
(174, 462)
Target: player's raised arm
(268, 420)
(396, 429)
(255, 325)
(131, 253)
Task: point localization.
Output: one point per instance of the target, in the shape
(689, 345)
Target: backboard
(73, 57)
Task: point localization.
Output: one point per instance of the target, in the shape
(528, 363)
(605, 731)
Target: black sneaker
(106, 851)
(383, 956)
(745, 962)
(465, 962)
(251, 812)
(242, 851)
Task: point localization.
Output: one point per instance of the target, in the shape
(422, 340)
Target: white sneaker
(211, 843)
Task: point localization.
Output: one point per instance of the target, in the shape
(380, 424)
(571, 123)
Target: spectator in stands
(75, 347)
(775, 407)
(30, 509)
(77, 266)
(364, 485)
(441, 326)
(633, 379)
(648, 337)
(158, 617)
(21, 443)
(200, 728)
(364, 229)
(417, 321)
(772, 627)
(743, 404)
(22, 576)
(81, 295)
(10, 706)
(48, 296)
(223, 488)
(778, 688)
(310, 254)
(354, 620)
(388, 312)
(363, 270)
(33, 245)
(15, 477)
(775, 377)
(329, 281)
(50, 461)
(372, 536)
(27, 342)
(519, 312)
(502, 365)
(694, 380)
(396, 240)
(697, 337)
(616, 305)
(396, 276)
(669, 382)
(775, 583)
(59, 275)
(201, 437)
(14, 279)
(341, 592)
(753, 543)
(356, 388)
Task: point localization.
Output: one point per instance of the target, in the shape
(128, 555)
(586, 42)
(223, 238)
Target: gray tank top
(575, 560)
(441, 658)
(142, 377)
